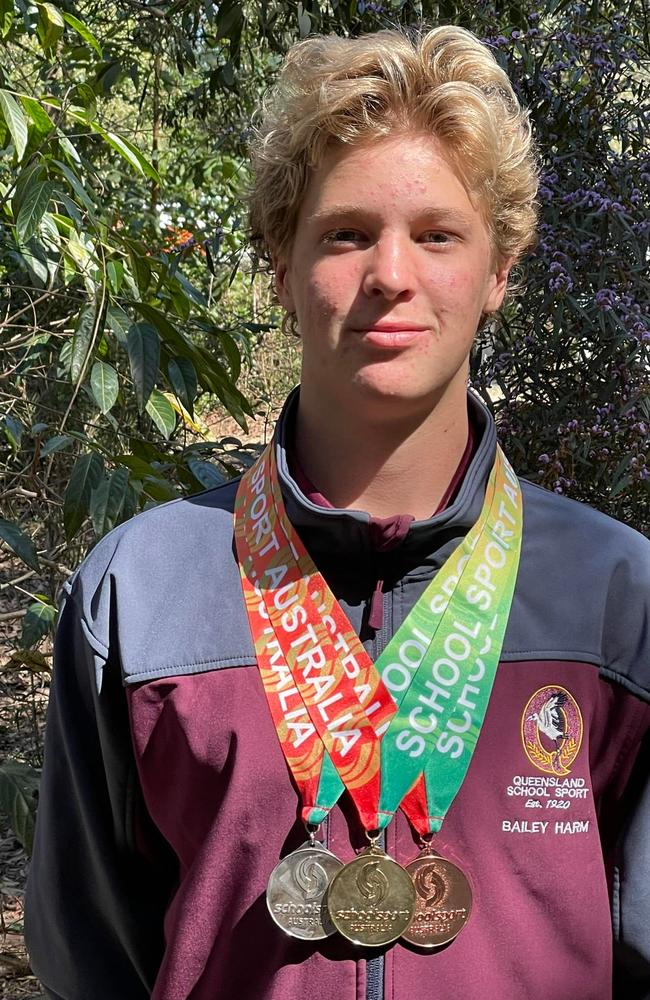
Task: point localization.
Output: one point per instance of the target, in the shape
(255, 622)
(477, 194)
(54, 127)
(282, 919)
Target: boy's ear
(282, 284)
(498, 286)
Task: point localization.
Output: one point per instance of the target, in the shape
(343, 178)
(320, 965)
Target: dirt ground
(23, 703)
(23, 699)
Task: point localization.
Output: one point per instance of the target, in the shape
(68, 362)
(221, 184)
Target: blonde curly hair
(442, 82)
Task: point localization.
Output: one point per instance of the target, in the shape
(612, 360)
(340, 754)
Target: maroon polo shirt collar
(386, 532)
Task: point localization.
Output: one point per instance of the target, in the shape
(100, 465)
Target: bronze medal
(443, 903)
(297, 888)
(372, 899)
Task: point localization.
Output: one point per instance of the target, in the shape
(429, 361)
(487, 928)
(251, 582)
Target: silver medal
(296, 894)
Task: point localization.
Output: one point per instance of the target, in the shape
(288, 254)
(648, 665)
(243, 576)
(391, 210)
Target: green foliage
(19, 542)
(38, 621)
(570, 363)
(131, 301)
(111, 331)
(118, 161)
(18, 797)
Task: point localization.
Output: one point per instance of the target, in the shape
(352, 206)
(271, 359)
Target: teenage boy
(379, 630)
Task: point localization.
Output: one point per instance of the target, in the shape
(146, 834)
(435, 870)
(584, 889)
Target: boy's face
(387, 235)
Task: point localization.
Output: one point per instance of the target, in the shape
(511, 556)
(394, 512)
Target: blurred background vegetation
(141, 356)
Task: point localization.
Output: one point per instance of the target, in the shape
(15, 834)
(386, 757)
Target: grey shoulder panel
(169, 577)
(169, 580)
(583, 590)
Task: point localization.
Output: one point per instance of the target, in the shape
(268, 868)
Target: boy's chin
(395, 393)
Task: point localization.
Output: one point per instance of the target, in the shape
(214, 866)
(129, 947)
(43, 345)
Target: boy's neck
(381, 467)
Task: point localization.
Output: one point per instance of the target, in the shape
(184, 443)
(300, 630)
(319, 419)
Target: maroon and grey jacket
(166, 800)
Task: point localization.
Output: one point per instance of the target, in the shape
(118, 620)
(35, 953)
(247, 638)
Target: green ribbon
(441, 663)
(450, 645)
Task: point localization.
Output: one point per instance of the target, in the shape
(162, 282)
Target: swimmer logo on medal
(551, 729)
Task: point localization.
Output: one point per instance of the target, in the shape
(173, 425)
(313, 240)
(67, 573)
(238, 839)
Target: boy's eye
(341, 236)
(438, 237)
(353, 235)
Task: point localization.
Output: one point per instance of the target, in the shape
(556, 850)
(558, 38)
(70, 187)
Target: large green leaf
(65, 223)
(13, 430)
(81, 341)
(212, 374)
(182, 376)
(50, 241)
(76, 185)
(141, 271)
(131, 154)
(29, 174)
(206, 473)
(52, 11)
(104, 384)
(159, 489)
(138, 466)
(173, 337)
(118, 321)
(232, 352)
(216, 378)
(56, 443)
(83, 31)
(38, 621)
(18, 799)
(85, 477)
(85, 100)
(125, 148)
(34, 205)
(6, 17)
(143, 346)
(50, 26)
(15, 119)
(35, 259)
(115, 272)
(161, 412)
(132, 500)
(81, 254)
(38, 114)
(21, 543)
(107, 500)
(68, 148)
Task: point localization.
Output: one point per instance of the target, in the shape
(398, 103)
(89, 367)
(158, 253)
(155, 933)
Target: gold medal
(443, 900)
(297, 889)
(372, 899)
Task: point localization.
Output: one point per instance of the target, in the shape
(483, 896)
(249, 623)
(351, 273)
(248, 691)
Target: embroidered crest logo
(551, 729)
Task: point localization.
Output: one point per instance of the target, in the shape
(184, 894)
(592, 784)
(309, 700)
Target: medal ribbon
(441, 664)
(321, 684)
(327, 700)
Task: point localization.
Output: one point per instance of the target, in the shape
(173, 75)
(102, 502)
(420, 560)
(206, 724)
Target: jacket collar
(349, 529)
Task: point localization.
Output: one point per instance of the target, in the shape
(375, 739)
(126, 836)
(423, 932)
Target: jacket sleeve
(101, 875)
(631, 888)
(626, 647)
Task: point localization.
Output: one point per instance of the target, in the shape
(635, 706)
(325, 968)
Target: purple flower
(605, 299)
(560, 285)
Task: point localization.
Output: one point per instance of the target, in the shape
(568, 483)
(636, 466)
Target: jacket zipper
(375, 966)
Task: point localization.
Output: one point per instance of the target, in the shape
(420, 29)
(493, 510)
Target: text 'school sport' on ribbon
(407, 739)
